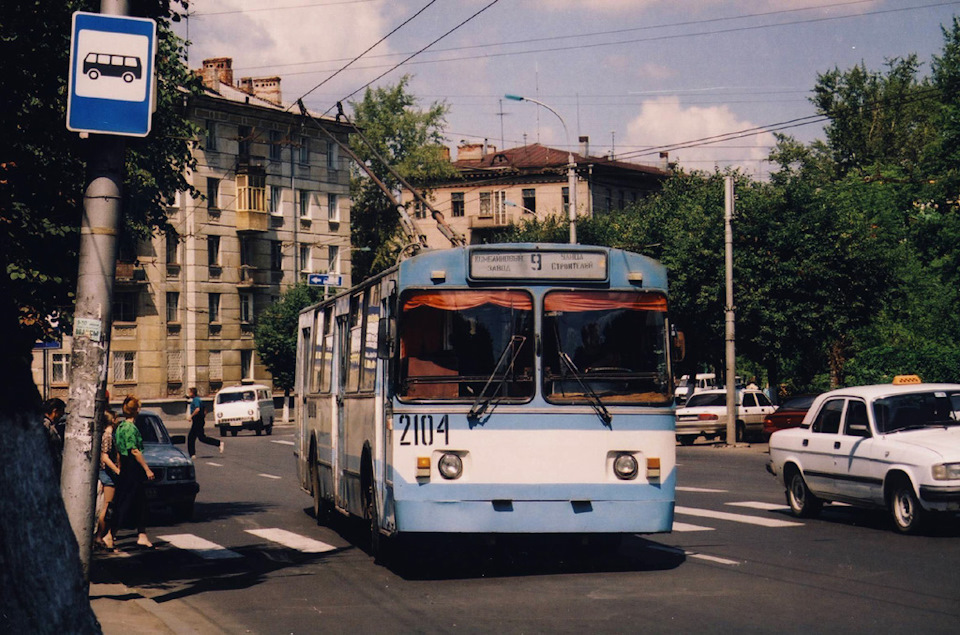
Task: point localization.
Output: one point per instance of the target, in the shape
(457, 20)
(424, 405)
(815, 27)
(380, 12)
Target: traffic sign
(111, 74)
(324, 280)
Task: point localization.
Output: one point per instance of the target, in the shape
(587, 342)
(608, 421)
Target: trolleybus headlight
(450, 466)
(625, 466)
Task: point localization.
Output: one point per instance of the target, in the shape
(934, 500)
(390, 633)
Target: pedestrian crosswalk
(207, 550)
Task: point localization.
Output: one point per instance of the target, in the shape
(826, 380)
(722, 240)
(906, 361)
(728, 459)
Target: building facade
(495, 189)
(275, 207)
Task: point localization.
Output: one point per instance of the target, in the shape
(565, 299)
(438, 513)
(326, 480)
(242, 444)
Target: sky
(635, 76)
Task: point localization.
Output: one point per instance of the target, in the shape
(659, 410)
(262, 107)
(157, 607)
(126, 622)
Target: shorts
(108, 478)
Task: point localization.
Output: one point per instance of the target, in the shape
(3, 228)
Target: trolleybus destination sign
(542, 264)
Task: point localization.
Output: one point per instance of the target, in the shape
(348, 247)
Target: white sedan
(705, 413)
(889, 446)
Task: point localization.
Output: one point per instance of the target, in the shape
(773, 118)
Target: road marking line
(705, 490)
(687, 527)
(703, 556)
(292, 540)
(270, 476)
(214, 464)
(283, 442)
(200, 547)
(737, 518)
(768, 507)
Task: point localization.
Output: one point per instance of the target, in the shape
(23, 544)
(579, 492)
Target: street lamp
(571, 167)
(526, 210)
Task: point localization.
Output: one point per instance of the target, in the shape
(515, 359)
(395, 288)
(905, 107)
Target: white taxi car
(893, 446)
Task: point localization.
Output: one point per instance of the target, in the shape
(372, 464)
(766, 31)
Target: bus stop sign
(111, 74)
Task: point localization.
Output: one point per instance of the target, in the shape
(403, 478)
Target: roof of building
(536, 157)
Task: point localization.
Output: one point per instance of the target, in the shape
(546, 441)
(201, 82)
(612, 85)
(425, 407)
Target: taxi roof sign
(903, 380)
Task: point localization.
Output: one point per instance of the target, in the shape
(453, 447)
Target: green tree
(410, 140)
(275, 334)
(42, 176)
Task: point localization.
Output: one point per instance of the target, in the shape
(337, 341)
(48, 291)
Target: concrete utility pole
(730, 313)
(91, 330)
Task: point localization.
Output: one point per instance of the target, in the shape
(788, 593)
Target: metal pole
(92, 322)
(730, 335)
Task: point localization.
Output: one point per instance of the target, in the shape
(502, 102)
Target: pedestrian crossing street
(207, 550)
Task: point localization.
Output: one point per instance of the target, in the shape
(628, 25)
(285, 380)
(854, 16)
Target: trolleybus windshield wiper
(510, 352)
(595, 400)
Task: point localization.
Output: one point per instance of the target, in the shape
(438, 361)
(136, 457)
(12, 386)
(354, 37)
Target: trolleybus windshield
(609, 345)
(459, 345)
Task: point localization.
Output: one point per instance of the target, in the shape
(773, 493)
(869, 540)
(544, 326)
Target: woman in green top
(131, 500)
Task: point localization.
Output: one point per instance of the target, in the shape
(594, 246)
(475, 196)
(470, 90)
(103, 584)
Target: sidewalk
(123, 610)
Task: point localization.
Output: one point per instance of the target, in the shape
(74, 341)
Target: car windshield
(609, 345)
(800, 402)
(233, 397)
(707, 399)
(465, 345)
(152, 429)
(916, 410)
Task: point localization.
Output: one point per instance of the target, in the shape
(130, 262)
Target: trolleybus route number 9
(420, 430)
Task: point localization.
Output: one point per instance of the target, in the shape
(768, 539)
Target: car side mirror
(178, 439)
(858, 430)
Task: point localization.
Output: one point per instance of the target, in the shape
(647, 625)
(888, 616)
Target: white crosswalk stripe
(685, 527)
(767, 507)
(281, 442)
(738, 518)
(200, 547)
(273, 476)
(705, 490)
(292, 540)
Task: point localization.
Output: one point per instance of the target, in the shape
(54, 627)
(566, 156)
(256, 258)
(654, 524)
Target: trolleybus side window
(325, 348)
(606, 344)
(355, 342)
(455, 344)
(369, 370)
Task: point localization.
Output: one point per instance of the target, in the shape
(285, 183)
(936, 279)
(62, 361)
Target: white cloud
(665, 121)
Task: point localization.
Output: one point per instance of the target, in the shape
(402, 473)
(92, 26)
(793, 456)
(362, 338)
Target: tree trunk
(838, 358)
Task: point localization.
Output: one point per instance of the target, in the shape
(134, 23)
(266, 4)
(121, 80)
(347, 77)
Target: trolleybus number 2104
(419, 429)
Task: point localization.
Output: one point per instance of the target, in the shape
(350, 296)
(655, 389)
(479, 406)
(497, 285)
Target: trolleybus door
(342, 325)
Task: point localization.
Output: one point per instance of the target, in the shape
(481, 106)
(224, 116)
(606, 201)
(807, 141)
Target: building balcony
(494, 220)
(253, 277)
(249, 220)
(130, 273)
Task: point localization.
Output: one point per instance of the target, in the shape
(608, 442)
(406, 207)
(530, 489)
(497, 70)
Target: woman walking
(109, 473)
(131, 499)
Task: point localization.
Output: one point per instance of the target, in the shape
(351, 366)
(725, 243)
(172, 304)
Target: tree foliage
(410, 140)
(276, 333)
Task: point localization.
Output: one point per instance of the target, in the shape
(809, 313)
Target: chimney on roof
(585, 146)
(665, 161)
(217, 70)
(469, 152)
(266, 88)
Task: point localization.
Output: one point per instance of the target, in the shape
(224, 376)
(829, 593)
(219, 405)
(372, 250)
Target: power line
(296, 6)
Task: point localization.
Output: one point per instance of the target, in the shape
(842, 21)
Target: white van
(245, 407)
(687, 388)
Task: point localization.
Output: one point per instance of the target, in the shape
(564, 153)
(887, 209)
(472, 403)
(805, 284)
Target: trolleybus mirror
(386, 332)
(678, 346)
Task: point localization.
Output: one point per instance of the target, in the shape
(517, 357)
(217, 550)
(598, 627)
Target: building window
(213, 300)
(305, 258)
(276, 145)
(60, 368)
(213, 251)
(246, 252)
(500, 207)
(244, 139)
(333, 259)
(333, 208)
(304, 150)
(419, 210)
(333, 155)
(306, 204)
(246, 308)
(565, 196)
(124, 366)
(251, 192)
(125, 306)
(530, 200)
(276, 255)
(457, 204)
(485, 209)
(276, 200)
(173, 307)
(210, 143)
(174, 366)
(173, 248)
(215, 366)
(213, 193)
(246, 364)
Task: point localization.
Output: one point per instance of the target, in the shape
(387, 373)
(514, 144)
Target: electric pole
(730, 313)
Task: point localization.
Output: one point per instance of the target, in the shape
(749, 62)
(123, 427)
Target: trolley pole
(91, 331)
(730, 313)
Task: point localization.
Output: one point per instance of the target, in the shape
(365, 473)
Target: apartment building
(275, 207)
(496, 188)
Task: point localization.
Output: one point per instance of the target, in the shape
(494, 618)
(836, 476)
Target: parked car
(789, 414)
(705, 413)
(175, 483)
(244, 407)
(892, 446)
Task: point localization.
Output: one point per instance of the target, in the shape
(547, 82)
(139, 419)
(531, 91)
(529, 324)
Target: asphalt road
(254, 560)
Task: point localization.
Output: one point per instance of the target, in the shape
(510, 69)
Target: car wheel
(233, 433)
(803, 503)
(687, 439)
(321, 510)
(741, 432)
(223, 431)
(905, 508)
(270, 428)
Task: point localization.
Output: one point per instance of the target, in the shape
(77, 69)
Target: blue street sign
(324, 280)
(111, 74)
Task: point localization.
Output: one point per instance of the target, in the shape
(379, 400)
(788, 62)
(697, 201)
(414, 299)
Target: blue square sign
(111, 74)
